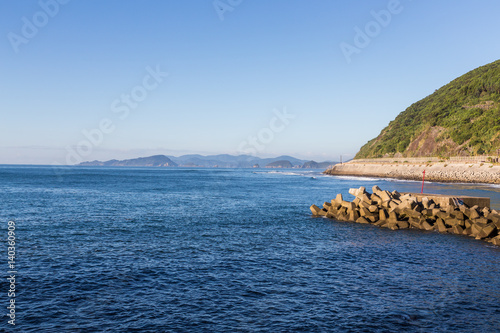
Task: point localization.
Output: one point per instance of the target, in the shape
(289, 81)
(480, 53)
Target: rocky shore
(434, 171)
(396, 211)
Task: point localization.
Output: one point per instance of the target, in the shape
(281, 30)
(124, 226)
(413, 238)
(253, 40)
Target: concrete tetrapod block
(487, 231)
(339, 199)
(406, 197)
(376, 199)
(315, 209)
(365, 204)
(393, 204)
(472, 214)
(441, 226)
(497, 224)
(476, 229)
(363, 211)
(442, 215)
(435, 211)
(366, 198)
(468, 224)
(397, 201)
(333, 210)
(495, 218)
(403, 225)
(348, 205)
(486, 211)
(392, 225)
(362, 220)
(385, 196)
(451, 222)
(495, 240)
(395, 194)
(418, 208)
(410, 213)
(458, 230)
(426, 226)
(335, 204)
(425, 202)
(357, 192)
(392, 217)
(458, 215)
(415, 223)
(481, 220)
(382, 214)
(353, 215)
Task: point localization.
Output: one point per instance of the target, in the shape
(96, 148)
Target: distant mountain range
(214, 161)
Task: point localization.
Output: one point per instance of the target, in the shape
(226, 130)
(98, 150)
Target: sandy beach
(436, 171)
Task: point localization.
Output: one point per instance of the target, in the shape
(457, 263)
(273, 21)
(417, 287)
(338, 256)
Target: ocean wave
(357, 178)
(290, 173)
(405, 180)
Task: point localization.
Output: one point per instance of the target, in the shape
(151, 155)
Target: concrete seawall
(434, 171)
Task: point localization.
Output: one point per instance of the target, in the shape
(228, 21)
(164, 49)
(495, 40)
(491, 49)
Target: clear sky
(85, 80)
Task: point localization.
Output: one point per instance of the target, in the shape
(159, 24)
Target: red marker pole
(423, 179)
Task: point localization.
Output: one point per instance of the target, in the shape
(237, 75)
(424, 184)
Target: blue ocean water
(231, 250)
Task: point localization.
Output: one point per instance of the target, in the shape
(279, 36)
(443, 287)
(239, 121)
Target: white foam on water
(369, 179)
(289, 173)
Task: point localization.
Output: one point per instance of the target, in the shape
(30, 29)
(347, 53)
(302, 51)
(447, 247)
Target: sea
(228, 250)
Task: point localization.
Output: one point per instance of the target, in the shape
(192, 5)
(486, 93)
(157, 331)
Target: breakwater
(456, 172)
(396, 211)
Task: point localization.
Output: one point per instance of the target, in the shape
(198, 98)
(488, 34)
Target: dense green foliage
(467, 111)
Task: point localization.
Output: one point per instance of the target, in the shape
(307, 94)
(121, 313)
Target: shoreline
(442, 172)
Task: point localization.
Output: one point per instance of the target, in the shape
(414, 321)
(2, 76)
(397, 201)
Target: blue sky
(271, 78)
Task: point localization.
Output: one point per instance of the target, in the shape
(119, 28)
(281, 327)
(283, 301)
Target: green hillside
(460, 118)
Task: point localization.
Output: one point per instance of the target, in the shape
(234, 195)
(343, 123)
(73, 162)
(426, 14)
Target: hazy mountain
(316, 165)
(151, 161)
(280, 164)
(211, 161)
